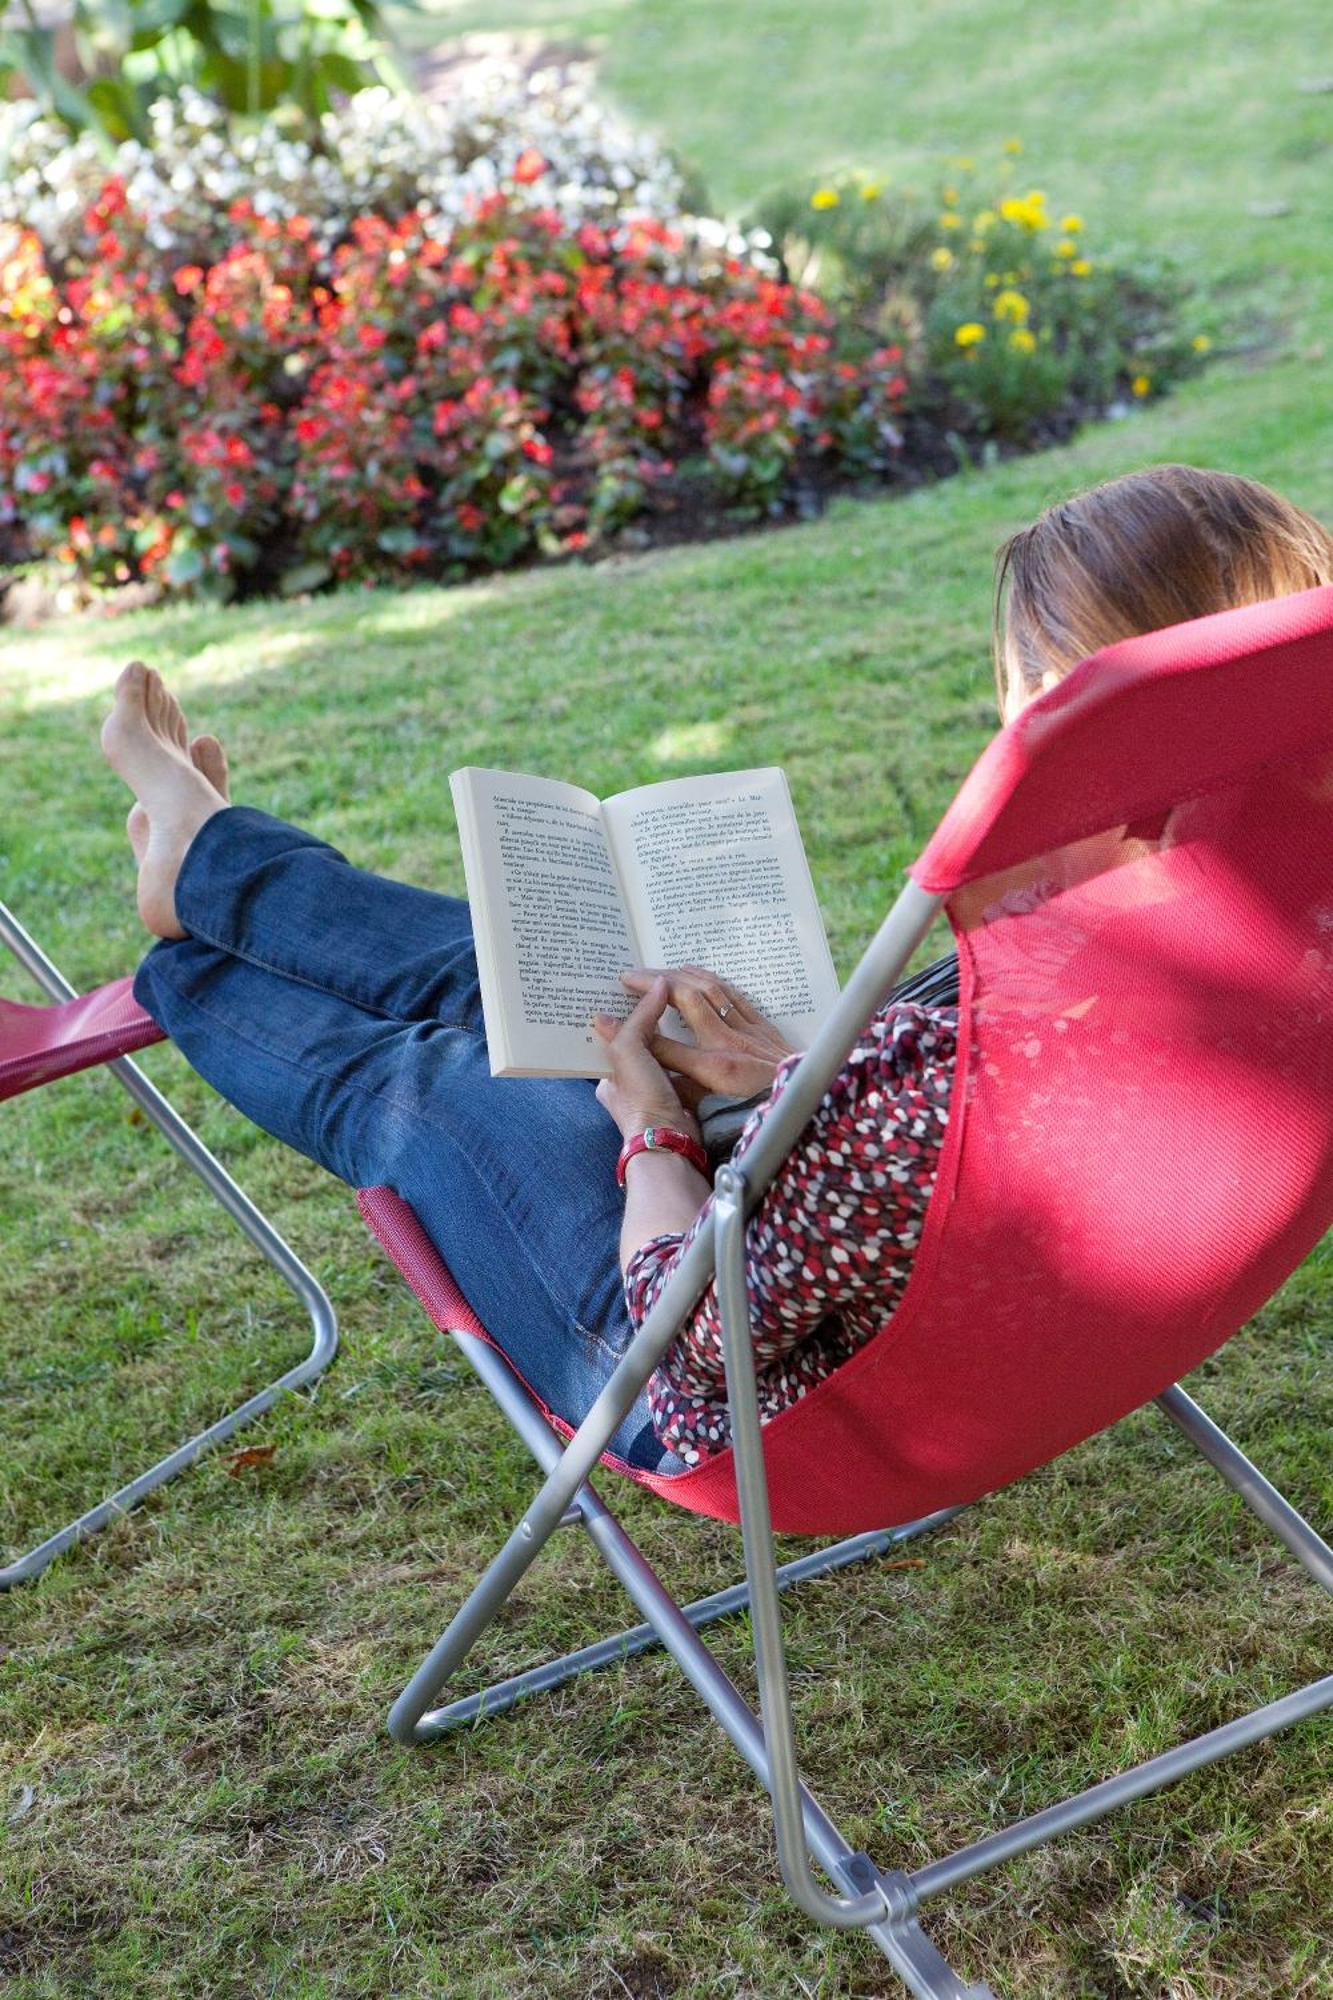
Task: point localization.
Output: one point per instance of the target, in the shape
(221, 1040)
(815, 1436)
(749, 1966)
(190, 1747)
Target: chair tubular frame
(260, 1232)
(885, 1904)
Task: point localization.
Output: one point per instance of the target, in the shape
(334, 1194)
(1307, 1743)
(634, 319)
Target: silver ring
(728, 1008)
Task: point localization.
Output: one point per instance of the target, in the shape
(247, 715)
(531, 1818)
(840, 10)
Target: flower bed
(524, 361)
(412, 402)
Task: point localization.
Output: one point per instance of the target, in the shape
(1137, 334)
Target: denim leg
(277, 897)
(513, 1180)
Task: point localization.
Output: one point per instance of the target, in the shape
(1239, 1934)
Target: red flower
(529, 166)
(234, 493)
(187, 278)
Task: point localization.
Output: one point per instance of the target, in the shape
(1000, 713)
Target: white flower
(377, 152)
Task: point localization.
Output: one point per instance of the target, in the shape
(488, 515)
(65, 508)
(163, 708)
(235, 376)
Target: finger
(713, 1069)
(649, 1011)
(720, 993)
(703, 1014)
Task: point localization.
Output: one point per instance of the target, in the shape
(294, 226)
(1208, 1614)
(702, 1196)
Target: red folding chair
(1139, 876)
(79, 1031)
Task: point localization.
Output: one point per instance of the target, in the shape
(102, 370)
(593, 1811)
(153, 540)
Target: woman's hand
(639, 1093)
(735, 1052)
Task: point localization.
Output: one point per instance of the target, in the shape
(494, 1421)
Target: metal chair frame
(885, 1904)
(294, 1274)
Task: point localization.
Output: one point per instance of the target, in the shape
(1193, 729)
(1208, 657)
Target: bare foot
(146, 741)
(207, 755)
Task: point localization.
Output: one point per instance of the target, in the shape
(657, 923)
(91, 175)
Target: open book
(568, 890)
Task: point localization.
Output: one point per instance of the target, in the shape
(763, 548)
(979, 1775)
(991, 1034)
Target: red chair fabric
(39, 1044)
(1140, 1142)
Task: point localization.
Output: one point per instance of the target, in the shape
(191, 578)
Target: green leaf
(515, 494)
(341, 71)
(303, 576)
(150, 19)
(184, 565)
(118, 107)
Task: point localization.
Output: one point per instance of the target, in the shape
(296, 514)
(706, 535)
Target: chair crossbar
(503, 1695)
(252, 1224)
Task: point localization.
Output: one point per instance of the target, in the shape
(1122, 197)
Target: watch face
(650, 1136)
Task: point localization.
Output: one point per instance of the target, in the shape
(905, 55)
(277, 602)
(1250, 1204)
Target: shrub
(517, 357)
(291, 53)
(1007, 316)
(411, 401)
(377, 154)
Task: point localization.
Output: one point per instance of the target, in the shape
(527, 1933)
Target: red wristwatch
(661, 1139)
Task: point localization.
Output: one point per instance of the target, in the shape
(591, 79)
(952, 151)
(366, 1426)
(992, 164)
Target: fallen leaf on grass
(904, 1562)
(254, 1454)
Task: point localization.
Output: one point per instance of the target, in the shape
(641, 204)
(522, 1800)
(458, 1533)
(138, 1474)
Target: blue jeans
(341, 1012)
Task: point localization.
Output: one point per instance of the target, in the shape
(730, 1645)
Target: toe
(132, 683)
(173, 720)
(207, 755)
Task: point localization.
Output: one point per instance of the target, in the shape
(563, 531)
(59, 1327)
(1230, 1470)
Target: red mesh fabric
(392, 1221)
(38, 1044)
(1140, 1144)
(1137, 728)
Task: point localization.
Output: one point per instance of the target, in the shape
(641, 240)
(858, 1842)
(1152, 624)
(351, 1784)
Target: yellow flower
(992, 280)
(969, 334)
(1071, 224)
(1081, 267)
(950, 221)
(1066, 247)
(1201, 343)
(1141, 384)
(942, 259)
(964, 162)
(1028, 211)
(825, 198)
(951, 197)
(983, 220)
(871, 190)
(1010, 304)
(1022, 340)
(1013, 146)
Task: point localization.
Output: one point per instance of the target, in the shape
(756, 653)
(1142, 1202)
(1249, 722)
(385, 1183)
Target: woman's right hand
(736, 1052)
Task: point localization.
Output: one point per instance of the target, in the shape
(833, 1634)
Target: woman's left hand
(639, 1093)
(735, 1050)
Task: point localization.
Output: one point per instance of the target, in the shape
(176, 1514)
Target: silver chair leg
(894, 1929)
(302, 1282)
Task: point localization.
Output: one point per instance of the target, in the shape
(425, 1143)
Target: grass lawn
(195, 1700)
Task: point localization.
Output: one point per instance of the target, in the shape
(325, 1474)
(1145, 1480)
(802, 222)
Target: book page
(551, 928)
(714, 874)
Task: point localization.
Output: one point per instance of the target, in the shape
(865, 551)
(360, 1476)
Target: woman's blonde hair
(1150, 549)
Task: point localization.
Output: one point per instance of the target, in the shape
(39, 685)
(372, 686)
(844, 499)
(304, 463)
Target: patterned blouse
(830, 1248)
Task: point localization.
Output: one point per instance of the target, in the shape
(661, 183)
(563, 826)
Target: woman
(341, 1012)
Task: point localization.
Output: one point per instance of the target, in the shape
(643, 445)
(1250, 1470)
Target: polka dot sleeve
(829, 1252)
